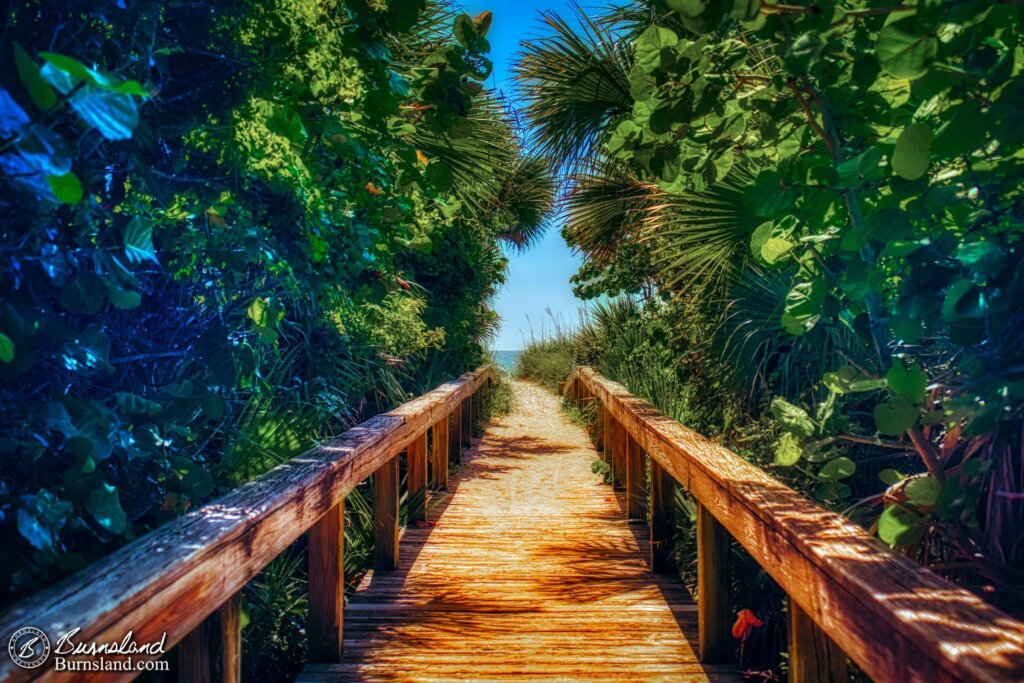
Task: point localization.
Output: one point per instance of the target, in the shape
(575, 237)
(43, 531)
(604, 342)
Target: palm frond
(703, 236)
(527, 202)
(574, 82)
(605, 206)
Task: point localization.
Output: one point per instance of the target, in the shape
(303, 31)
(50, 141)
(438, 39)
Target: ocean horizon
(506, 358)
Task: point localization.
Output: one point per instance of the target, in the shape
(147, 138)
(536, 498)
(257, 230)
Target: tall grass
(549, 357)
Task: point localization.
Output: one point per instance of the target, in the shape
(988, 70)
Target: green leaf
(775, 250)
(689, 8)
(804, 305)
(439, 174)
(464, 29)
(923, 490)
(125, 299)
(38, 89)
(868, 385)
(133, 404)
(889, 477)
(895, 416)
(66, 188)
(649, 46)
(794, 419)
(902, 51)
(113, 114)
(105, 505)
(897, 526)
(908, 382)
(836, 469)
(986, 257)
(104, 81)
(787, 450)
(422, 244)
(138, 240)
(6, 348)
(910, 159)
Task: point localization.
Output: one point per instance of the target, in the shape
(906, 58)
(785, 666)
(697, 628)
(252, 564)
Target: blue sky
(539, 278)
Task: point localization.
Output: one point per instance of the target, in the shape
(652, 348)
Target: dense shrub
(230, 229)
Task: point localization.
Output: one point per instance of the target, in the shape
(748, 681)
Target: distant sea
(507, 359)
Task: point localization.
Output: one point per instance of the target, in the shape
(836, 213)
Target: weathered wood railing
(184, 578)
(848, 594)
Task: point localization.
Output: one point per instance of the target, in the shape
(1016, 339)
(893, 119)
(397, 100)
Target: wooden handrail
(172, 579)
(897, 620)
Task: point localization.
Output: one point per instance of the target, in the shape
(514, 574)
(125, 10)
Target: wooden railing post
(327, 586)
(813, 656)
(599, 425)
(385, 515)
(416, 476)
(663, 519)
(635, 471)
(467, 418)
(439, 455)
(455, 435)
(212, 652)
(618, 455)
(712, 587)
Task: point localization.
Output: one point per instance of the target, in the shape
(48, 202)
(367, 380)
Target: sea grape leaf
(104, 503)
(907, 381)
(138, 240)
(895, 416)
(898, 526)
(902, 51)
(66, 188)
(787, 450)
(38, 89)
(923, 490)
(794, 419)
(911, 157)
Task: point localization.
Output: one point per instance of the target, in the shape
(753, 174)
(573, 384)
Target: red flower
(745, 622)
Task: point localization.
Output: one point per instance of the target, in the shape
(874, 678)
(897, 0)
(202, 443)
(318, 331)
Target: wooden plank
(327, 586)
(636, 495)
(439, 455)
(713, 588)
(171, 579)
(385, 515)
(662, 520)
(895, 619)
(813, 656)
(212, 652)
(517, 581)
(416, 478)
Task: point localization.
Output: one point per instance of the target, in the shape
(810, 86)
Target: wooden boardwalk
(531, 573)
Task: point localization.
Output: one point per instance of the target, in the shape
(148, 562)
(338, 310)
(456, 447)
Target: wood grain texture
(170, 580)
(439, 455)
(662, 519)
(385, 515)
(531, 573)
(416, 478)
(813, 657)
(327, 586)
(455, 434)
(212, 652)
(895, 619)
(713, 588)
(636, 473)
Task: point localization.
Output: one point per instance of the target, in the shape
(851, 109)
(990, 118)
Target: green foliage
(228, 235)
(872, 151)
